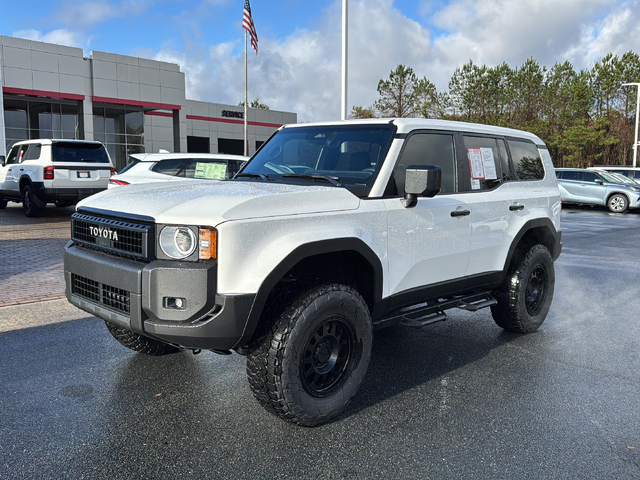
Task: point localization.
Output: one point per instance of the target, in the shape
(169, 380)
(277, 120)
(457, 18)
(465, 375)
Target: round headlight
(178, 242)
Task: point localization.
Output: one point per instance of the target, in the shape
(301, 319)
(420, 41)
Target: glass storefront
(121, 130)
(28, 118)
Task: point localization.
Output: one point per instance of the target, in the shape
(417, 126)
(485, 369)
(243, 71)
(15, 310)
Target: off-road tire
(618, 203)
(29, 202)
(139, 343)
(519, 309)
(3, 204)
(277, 359)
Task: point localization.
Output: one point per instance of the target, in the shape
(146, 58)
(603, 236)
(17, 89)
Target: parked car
(37, 172)
(590, 187)
(630, 172)
(167, 167)
(330, 231)
(628, 175)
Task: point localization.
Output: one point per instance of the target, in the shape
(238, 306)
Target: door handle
(460, 213)
(515, 208)
(9, 170)
(22, 169)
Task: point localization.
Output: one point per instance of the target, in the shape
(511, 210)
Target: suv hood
(212, 202)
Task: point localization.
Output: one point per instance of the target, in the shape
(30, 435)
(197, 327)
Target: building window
(30, 118)
(121, 131)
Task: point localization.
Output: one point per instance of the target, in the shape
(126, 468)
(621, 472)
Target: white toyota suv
(329, 232)
(37, 172)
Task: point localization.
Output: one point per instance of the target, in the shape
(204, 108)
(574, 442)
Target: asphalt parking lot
(459, 399)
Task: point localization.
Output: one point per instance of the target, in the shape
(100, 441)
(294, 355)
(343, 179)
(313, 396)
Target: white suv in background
(166, 167)
(330, 231)
(37, 172)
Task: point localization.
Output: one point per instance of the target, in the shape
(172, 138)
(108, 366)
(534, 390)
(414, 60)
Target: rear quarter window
(527, 163)
(79, 152)
(172, 167)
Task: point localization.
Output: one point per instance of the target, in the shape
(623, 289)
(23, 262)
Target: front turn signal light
(208, 243)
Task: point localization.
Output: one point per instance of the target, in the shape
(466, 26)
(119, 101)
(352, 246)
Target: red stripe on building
(136, 103)
(230, 120)
(158, 114)
(42, 93)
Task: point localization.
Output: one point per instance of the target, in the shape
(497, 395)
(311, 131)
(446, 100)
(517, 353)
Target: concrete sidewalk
(37, 314)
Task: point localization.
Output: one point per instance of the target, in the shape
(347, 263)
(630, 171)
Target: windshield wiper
(332, 180)
(253, 175)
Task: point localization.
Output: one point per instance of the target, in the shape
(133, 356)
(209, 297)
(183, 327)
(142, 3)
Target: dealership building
(130, 104)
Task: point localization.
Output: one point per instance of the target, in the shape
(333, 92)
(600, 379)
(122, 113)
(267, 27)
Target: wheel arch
(24, 181)
(618, 193)
(328, 254)
(537, 231)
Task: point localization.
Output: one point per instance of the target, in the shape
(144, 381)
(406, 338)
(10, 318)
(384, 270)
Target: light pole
(345, 56)
(635, 143)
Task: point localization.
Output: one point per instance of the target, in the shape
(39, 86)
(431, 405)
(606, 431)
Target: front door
(426, 244)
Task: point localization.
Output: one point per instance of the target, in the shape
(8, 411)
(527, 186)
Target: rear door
(80, 165)
(570, 181)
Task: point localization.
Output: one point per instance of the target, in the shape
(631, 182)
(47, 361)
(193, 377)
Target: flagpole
(246, 77)
(345, 56)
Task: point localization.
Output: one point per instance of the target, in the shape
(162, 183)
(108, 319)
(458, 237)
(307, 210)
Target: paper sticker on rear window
(475, 163)
(211, 171)
(489, 164)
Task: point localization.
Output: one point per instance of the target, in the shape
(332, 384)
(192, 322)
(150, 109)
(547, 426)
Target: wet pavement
(459, 399)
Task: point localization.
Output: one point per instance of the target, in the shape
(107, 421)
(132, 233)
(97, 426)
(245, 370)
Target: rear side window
(426, 149)
(79, 152)
(636, 174)
(526, 160)
(486, 162)
(170, 167)
(33, 152)
(572, 175)
(132, 163)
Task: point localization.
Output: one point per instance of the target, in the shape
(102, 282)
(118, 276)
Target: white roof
(48, 141)
(406, 125)
(155, 157)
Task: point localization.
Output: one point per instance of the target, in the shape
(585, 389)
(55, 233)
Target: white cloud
(59, 37)
(301, 72)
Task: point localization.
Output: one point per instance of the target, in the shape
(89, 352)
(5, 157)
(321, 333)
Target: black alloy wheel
(327, 357)
(536, 290)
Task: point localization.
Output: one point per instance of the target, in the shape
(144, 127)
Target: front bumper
(134, 295)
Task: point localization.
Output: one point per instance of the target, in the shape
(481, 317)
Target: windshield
(612, 177)
(622, 178)
(350, 155)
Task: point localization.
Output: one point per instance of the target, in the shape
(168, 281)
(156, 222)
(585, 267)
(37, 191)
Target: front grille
(119, 237)
(111, 297)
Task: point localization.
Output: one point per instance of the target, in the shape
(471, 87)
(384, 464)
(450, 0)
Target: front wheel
(525, 296)
(311, 363)
(618, 203)
(139, 343)
(3, 204)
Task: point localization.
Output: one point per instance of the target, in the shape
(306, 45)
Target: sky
(298, 68)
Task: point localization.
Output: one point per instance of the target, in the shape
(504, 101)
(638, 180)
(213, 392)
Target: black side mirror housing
(3, 160)
(599, 181)
(421, 181)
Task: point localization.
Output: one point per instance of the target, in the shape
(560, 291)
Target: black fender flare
(544, 222)
(300, 253)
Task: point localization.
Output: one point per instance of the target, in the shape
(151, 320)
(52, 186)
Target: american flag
(248, 25)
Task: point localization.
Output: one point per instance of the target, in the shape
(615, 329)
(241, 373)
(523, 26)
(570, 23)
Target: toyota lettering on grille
(102, 232)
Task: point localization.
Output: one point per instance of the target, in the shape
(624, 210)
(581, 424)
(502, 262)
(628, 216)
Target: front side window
(425, 149)
(207, 170)
(527, 163)
(590, 177)
(13, 155)
(352, 154)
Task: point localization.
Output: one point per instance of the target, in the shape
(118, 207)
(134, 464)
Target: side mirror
(599, 181)
(421, 181)
(3, 160)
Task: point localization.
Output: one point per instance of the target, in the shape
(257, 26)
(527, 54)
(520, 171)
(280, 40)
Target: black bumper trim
(68, 195)
(209, 321)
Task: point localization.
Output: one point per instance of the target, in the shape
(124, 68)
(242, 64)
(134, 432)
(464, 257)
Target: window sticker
(475, 163)
(211, 171)
(489, 163)
(475, 184)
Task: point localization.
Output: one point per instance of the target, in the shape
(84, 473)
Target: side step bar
(423, 314)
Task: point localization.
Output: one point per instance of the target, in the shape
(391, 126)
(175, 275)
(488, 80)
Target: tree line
(584, 116)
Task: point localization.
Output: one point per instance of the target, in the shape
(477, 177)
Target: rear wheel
(525, 296)
(618, 203)
(139, 343)
(30, 204)
(3, 204)
(311, 363)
